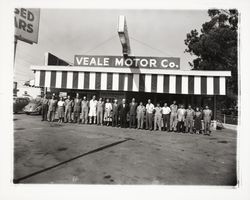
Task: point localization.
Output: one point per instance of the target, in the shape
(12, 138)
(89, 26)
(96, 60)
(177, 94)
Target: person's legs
(130, 121)
(101, 117)
(164, 117)
(205, 126)
(175, 121)
(98, 117)
(168, 122)
(138, 122)
(66, 117)
(53, 115)
(178, 126)
(158, 122)
(142, 121)
(150, 121)
(171, 122)
(187, 125)
(155, 123)
(147, 120)
(191, 126)
(113, 120)
(85, 116)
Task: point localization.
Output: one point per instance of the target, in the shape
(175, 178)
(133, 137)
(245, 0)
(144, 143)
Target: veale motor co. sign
(130, 61)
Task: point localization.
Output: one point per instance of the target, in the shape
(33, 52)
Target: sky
(67, 32)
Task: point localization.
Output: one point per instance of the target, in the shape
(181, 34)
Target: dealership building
(116, 77)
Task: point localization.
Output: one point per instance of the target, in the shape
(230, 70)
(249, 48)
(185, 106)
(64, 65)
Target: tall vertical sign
(123, 35)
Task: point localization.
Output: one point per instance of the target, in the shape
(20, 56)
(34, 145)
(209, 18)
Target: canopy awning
(136, 80)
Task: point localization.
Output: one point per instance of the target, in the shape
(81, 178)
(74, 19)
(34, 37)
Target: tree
(215, 47)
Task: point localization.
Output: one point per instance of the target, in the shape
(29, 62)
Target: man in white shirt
(181, 113)
(149, 115)
(92, 109)
(166, 117)
(107, 114)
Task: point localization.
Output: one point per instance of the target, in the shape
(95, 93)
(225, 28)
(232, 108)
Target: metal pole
(215, 107)
(15, 45)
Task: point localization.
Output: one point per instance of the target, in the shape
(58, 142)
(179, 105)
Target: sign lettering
(129, 62)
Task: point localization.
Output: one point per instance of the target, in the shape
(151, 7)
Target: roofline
(131, 70)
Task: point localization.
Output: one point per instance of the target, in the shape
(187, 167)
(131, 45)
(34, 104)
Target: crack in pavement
(69, 160)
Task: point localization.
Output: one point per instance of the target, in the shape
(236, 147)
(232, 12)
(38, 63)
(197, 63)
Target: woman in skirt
(197, 121)
(60, 104)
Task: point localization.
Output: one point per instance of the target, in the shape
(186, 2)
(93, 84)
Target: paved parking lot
(87, 154)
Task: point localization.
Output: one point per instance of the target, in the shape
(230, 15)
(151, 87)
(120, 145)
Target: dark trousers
(44, 112)
(114, 120)
(123, 121)
(166, 121)
(132, 121)
(77, 116)
(180, 126)
(149, 119)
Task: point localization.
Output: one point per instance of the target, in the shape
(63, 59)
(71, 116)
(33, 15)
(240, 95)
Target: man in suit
(45, 103)
(123, 110)
(77, 108)
(132, 113)
(68, 109)
(115, 113)
(52, 108)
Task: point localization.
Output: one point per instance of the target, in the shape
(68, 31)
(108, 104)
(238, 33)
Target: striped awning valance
(172, 83)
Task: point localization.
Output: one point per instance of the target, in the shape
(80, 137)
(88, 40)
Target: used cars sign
(27, 24)
(130, 61)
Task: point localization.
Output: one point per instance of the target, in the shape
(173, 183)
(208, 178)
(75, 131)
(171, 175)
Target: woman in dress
(197, 121)
(60, 104)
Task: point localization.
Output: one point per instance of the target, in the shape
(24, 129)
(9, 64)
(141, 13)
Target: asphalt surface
(46, 152)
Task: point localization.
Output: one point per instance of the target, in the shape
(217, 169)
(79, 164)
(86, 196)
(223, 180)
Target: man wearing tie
(115, 114)
(123, 110)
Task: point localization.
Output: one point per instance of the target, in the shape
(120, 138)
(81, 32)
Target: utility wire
(100, 44)
(149, 46)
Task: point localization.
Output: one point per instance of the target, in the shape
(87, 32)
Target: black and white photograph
(126, 96)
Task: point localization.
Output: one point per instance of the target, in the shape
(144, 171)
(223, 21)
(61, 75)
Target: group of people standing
(166, 118)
